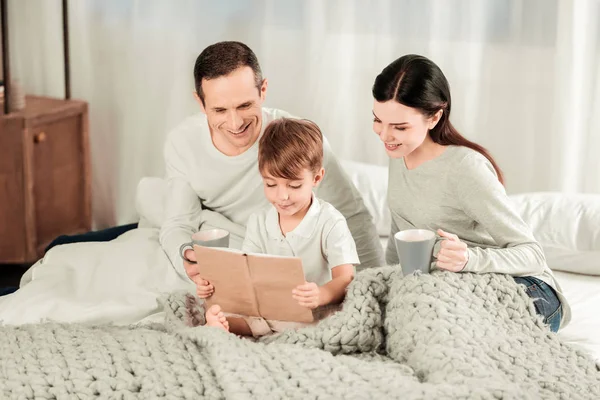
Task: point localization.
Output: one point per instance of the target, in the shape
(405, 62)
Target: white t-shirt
(322, 239)
(203, 180)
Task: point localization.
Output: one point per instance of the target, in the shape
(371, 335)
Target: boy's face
(291, 197)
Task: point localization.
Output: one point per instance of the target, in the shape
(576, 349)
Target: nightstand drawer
(58, 160)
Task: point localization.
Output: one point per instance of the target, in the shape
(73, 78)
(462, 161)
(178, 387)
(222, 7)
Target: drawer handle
(39, 137)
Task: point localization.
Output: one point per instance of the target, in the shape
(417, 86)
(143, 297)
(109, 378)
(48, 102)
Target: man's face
(233, 108)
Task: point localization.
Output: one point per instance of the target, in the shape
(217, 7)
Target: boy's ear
(319, 176)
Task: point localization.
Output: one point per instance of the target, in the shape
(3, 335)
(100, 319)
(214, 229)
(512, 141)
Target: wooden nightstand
(45, 177)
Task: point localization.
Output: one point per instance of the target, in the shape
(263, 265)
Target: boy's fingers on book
(305, 298)
(307, 287)
(303, 302)
(303, 293)
(308, 304)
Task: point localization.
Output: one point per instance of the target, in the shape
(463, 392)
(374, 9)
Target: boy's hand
(307, 295)
(203, 287)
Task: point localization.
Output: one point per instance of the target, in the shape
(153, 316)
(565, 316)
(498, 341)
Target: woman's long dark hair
(417, 82)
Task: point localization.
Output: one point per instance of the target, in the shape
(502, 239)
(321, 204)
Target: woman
(443, 182)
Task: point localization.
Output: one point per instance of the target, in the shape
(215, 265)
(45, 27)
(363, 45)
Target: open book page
(228, 272)
(274, 278)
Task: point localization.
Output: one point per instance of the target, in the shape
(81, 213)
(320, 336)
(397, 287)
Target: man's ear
(200, 102)
(263, 89)
(319, 177)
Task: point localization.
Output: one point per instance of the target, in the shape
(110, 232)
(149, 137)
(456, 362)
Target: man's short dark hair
(288, 146)
(221, 59)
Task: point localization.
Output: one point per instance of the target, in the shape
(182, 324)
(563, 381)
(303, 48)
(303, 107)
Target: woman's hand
(453, 255)
(307, 295)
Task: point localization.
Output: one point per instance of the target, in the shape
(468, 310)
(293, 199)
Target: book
(251, 284)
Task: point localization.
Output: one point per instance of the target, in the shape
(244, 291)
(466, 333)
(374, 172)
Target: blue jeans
(545, 300)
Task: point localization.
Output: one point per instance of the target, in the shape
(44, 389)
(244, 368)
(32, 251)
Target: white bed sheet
(116, 282)
(583, 294)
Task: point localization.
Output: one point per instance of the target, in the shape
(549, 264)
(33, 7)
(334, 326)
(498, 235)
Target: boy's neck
(288, 223)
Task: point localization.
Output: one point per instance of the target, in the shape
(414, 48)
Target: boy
(290, 160)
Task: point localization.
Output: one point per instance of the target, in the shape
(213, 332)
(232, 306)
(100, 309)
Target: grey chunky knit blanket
(442, 335)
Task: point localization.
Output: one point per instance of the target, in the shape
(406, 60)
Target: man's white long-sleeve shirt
(200, 177)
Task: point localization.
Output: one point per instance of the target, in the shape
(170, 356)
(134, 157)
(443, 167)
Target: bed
(421, 336)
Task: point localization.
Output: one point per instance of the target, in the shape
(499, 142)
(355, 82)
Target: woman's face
(402, 129)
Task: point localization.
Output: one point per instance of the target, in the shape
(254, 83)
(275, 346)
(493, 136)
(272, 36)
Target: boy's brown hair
(288, 146)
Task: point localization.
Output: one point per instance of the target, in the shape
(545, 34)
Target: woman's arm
(484, 199)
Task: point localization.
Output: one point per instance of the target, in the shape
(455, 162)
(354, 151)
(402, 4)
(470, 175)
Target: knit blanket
(443, 335)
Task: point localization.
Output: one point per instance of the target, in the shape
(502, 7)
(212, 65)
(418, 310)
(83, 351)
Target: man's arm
(182, 208)
(338, 190)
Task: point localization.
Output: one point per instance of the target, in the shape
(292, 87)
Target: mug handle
(182, 250)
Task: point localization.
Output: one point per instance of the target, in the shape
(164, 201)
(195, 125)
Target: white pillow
(567, 226)
(150, 201)
(372, 181)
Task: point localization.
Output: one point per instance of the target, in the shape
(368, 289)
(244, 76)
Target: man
(213, 181)
(212, 165)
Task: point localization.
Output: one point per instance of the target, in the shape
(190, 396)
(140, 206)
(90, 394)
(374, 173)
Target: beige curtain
(525, 75)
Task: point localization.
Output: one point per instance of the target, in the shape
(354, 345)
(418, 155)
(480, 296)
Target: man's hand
(190, 269)
(203, 287)
(307, 295)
